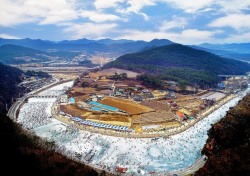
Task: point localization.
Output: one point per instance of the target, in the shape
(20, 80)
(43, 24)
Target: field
(74, 111)
(80, 93)
(111, 71)
(130, 107)
(65, 76)
(158, 106)
(100, 60)
(154, 118)
(191, 103)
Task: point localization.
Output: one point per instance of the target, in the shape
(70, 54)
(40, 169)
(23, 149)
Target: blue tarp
(72, 100)
(110, 108)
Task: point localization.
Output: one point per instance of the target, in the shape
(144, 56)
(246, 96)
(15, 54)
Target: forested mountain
(177, 61)
(30, 43)
(9, 78)
(227, 146)
(13, 53)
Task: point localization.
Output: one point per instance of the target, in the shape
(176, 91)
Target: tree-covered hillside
(227, 146)
(9, 78)
(9, 53)
(180, 62)
(22, 152)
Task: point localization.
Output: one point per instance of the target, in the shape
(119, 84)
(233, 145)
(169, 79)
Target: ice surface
(165, 154)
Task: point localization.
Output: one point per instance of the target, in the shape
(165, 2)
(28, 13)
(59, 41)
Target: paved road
(12, 113)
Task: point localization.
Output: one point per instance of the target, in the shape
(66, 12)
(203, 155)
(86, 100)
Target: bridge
(13, 111)
(43, 96)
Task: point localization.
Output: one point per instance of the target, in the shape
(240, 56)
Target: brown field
(74, 111)
(157, 105)
(94, 75)
(111, 71)
(100, 59)
(154, 118)
(80, 91)
(130, 107)
(191, 103)
(65, 75)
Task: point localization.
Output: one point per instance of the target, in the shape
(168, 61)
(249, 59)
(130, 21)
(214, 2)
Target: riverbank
(227, 146)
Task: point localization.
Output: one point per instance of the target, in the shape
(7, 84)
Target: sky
(182, 21)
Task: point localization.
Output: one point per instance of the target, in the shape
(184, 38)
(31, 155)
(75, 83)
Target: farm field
(157, 105)
(111, 71)
(127, 106)
(154, 118)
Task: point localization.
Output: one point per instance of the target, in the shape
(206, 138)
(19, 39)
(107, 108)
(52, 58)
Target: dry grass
(157, 105)
(111, 71)
(155, 118)
(74, 111)
(131, 108)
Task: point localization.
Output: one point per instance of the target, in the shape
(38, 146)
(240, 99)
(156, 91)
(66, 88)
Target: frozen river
(174, 153)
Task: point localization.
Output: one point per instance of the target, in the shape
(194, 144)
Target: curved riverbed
(162, 155)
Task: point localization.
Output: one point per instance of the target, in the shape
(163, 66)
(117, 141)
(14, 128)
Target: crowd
(35, 114)
(139, 155)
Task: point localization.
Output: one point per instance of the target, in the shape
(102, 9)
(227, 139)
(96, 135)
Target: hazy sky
(183, 21)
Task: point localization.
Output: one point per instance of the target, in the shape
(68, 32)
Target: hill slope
(227, 146)
(9, 78)
(180, 61)
(22, 152)
(12, 53)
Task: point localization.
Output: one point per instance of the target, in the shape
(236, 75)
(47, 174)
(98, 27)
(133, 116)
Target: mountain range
(70, 48)
(238, 51)
(89, 46)
(115, 48)
(198, 64)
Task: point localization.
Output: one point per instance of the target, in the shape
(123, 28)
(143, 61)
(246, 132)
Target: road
(12, 113)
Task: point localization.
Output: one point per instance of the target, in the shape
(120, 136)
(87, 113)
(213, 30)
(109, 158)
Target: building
(72, 100)
(181, 116)
(185, 112)
(137, 98)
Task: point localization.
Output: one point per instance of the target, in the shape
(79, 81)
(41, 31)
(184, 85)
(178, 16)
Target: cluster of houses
(106, 87)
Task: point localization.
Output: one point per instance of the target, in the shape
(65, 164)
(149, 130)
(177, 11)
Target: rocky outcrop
(228, 145)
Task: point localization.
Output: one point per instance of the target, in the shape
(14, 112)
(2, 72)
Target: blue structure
(102, 106)
(221, 85)
(100, 125)
(72, 100)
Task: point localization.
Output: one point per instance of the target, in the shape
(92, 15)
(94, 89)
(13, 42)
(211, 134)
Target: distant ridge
(115, 47)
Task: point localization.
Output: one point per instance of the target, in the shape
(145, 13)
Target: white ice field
(162, 155)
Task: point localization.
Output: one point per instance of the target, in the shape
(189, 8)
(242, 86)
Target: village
(113, 99)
